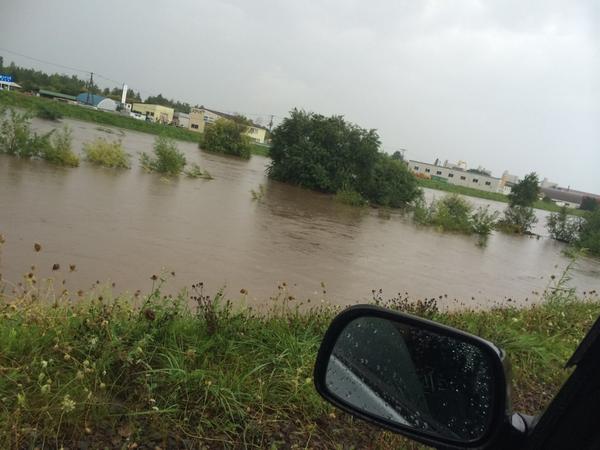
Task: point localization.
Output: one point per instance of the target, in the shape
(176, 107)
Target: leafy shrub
(195, 171)
(350, 197)
(391, 183)
(589, 235)
(518, 219)
(57, 149)
(455, 213)
(328, 154)
(563, 227)
(422, 213)
(483, 221)
(226, 136)
(452, 213)
(589, 204)
(107, 154)
(167, 157)
(16, 137)
(48, 111)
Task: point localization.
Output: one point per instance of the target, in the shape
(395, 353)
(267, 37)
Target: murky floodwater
(124, 226)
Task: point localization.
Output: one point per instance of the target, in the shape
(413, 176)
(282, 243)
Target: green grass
(496, 196)
(190, 369)
(17, 99)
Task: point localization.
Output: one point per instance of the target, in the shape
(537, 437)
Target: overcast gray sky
(505, 84)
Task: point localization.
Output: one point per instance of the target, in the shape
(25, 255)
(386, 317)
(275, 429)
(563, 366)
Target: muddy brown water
(123, 226)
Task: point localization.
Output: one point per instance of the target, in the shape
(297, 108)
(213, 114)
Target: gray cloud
(505, 84)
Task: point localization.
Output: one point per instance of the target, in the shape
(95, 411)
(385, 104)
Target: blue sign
(6, 78)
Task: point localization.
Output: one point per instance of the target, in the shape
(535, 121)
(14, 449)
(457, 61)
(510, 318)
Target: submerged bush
(48, 111)
(483, 221)
(16, 137)
(452, 213)
(350, 197)
(518, 219)
(195, 171)
(167, 157)
(563, 227)
(455, 213)
(57, 148)
(227, 136)
(106, 153)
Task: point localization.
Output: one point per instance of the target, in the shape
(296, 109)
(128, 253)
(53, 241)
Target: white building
(457, 176)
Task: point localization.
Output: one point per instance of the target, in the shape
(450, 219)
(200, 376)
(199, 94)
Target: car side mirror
(432, 383)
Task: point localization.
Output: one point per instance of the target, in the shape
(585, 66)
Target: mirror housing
(390, 392)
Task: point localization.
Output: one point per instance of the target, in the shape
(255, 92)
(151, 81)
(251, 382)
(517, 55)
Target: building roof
(457, 169)
(568, 195)
(230, 117)
(91, 99)
(56, 94)
(11, 84)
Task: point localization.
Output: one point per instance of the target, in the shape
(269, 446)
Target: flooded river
(124, 226)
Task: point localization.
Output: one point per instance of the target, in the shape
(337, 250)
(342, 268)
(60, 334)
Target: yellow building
(156, 113)
(201, 117)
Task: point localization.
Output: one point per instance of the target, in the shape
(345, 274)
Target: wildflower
(45, 389)
(79, 375)
(68, 405)
(67, 357)
(102, 385)
(44, 364)
(21, 399)
(150, 315)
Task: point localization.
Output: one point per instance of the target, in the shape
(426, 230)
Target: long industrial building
(457, 175)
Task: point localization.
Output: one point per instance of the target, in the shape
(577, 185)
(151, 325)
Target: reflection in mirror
(440, 385)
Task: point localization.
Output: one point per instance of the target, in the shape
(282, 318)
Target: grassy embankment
(496, 196)
(104, 372)
(18, 100)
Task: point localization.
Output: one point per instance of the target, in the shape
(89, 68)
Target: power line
(118, 83)
(44, 61)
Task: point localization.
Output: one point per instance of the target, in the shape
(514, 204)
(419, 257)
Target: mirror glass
(440, 385)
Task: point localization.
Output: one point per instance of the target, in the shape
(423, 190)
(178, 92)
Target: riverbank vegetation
(227, 137)
(195, 171)
(495, 196)
(328, 154)
(57, 149)
(580, 233)
(106, 153)
(167, 158)
(455, 214)
(192, 370)
(17, 139)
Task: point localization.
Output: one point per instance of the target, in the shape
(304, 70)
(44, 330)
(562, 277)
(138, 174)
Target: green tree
(227, 136)
(391, 183)
(328, 154)
(589, 204)
(398, 155)
(589, 235)
(526, 191)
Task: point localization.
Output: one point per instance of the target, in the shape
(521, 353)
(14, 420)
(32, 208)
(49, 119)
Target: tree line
(33, 80)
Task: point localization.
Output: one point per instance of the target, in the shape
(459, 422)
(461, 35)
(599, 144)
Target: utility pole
(271, 123)
(89, 96)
